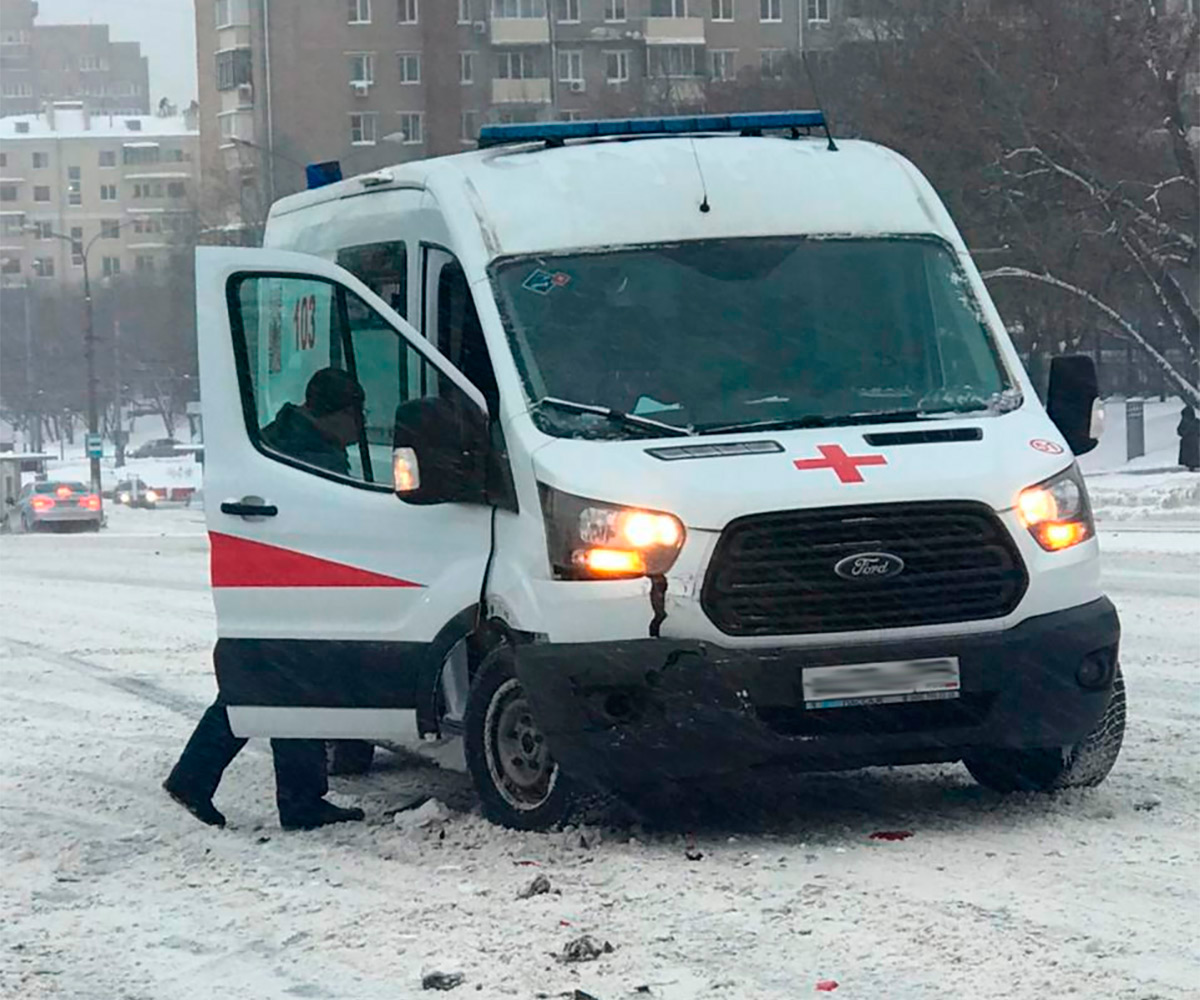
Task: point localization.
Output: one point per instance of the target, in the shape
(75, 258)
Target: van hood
(827, 467)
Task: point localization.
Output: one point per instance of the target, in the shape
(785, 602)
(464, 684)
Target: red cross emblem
(846, 466)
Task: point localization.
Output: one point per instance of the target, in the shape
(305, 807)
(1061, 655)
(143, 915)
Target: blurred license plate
(895, 682)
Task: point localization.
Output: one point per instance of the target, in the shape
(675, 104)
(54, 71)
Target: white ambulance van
(687, 447)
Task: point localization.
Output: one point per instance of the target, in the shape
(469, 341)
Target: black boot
(200, 807)
(194, 779)
(320, 813)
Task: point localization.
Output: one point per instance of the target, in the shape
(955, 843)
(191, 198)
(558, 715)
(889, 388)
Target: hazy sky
(166, 29)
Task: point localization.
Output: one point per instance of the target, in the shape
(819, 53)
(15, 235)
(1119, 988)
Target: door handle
(249, 507)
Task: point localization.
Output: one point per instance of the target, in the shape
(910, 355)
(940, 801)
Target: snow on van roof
(530, 199)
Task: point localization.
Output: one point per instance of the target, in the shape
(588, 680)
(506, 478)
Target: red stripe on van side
(239, 562)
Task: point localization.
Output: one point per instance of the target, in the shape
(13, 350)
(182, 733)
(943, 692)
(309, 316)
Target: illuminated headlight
(1057, 512)
(124, 498)
(151, 496)
(590, 539)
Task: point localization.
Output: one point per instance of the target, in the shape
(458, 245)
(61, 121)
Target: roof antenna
(812, 83)
(704, 205)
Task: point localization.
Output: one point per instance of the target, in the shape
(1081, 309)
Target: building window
(518, 8)
(74, 186)
(772, 10)
(108, 157)
(77, 246)
(108, 192)
(148, 190)
(111, 266)
(144, 263)
(110, 229)
(410, 128)
(772, 63)
(616, 66)
(234, 69)
(362, 128)
(359, 12)
(20, 127)
(567, 11)
(668, 8)
(141, 155)
(406, 12)
(570, 68)
(231, 12)
(470, 126)
(8, 192)
(722, 10)
(818, 10)
(722, 64)
(10, 263)
(92, 64)
(43, 267)
(410, 67)
(42, 229)
(41, 192)
(464, 11)
(12, 225)
(466, 67)
(362, 67)
(515, 66)
(614, 10)
(673, 60)
(176, 189)
(13, 88)
(41, 161)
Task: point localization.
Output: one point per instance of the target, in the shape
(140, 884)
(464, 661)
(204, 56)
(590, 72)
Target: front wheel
(1082, 765)
(520, 785)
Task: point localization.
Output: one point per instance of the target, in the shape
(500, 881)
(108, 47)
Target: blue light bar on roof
(557, 133)
(319, 174)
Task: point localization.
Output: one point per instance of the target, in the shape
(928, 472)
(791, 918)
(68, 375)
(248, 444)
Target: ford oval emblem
(869, 566)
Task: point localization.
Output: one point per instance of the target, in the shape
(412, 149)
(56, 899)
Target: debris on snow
(442, 980)
(826, 985)
(426, 819)
(891, 834)
(1148, 804)
(583, 949)
(538, 887)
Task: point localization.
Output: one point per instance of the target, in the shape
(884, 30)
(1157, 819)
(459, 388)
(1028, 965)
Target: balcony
(520, 31)
(674, 31)
(535, 90)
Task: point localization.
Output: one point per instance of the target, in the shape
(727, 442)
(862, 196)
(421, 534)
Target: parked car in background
(158, 448)
(135, 493)
(56, 503)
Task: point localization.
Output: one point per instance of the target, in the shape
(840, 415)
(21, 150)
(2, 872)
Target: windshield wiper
(614, 416)
(841, 420)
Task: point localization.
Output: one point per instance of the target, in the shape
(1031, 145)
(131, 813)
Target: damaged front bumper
(619, 712)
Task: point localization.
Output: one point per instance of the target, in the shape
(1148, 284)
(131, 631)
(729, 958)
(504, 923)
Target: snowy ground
(111, 891)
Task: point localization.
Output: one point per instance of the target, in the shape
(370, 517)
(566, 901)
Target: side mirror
(440, 451)
(1071, 400)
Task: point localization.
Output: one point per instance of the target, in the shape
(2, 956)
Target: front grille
(773, 574)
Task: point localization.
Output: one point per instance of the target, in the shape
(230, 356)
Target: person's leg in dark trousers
(351, 756)
(301, 785)
(194, 779)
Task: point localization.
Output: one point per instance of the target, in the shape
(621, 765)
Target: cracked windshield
(595, 499)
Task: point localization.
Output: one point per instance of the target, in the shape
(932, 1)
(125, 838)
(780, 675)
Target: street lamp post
(89, 342)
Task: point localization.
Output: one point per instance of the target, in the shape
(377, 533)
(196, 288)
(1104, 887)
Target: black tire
(1083, 765)
(518, 782)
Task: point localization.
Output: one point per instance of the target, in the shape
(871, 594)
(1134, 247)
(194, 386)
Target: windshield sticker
(544, 282)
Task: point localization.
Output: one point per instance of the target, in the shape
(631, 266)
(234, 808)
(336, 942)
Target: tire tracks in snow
(139, 687)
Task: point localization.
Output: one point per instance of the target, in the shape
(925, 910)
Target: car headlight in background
(594, 540)
(124, 498)
(151, 496)
(1057, 512)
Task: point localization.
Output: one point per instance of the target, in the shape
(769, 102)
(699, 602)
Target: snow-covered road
(108, 890)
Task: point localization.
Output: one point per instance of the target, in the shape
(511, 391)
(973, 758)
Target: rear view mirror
(1071, 400)
(440, 451)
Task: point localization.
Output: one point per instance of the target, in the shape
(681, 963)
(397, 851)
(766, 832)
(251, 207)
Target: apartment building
(41, 64)
(374, 82)
(128, 183)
